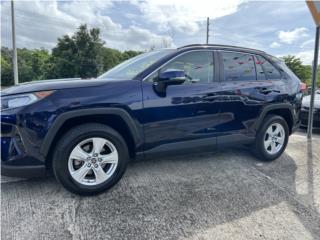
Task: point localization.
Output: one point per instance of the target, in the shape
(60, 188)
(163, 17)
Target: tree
(78, 55)
(39, 61)
(6, 72)
(129, 54)
(295, 64)
(24, 66)
(31, 65)
(110, 58)
(25, 70)
(6, 67)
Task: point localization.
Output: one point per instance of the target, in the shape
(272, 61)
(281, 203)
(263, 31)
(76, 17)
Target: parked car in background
(184, 100)
(304, 115)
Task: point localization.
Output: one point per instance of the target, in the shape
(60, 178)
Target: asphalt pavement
(226, 194)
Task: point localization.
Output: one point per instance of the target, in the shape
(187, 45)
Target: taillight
(303, 87)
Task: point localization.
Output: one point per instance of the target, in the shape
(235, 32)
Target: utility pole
(14, 48)
(314, 7)
(314, 80)
(207, 30)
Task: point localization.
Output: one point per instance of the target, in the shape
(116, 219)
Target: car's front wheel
(90, 159)
(271, 138)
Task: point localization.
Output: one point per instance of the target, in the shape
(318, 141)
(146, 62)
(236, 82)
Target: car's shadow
(167, 198)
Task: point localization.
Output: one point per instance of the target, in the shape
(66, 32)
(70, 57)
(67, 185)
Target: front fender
(135, 131)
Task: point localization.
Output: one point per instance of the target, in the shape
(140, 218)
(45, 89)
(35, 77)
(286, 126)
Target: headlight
(21, 100)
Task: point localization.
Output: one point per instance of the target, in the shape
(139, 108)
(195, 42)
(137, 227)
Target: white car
(305, 110)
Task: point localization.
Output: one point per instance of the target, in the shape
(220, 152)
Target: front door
(187, 115)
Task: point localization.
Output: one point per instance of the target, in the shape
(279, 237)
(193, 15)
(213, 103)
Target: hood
(306, 100)
(55, 84)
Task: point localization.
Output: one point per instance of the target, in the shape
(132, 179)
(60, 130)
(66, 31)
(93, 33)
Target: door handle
(267, 90)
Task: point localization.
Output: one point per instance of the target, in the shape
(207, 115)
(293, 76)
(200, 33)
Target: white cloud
(140, 25)
(307, 43)
(305, 56)
(275, 45)
(135, 38)
(184, 16)
(40, 23)
(292, 36)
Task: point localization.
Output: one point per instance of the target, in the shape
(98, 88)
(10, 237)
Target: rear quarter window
(270, 72)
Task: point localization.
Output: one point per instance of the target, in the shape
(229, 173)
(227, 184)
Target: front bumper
(18, 155)
(304, 115)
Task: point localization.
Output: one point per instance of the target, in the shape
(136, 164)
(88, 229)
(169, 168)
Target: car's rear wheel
(90, 159)
(272, 138)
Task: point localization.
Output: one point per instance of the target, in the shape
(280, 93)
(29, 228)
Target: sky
(277, 27)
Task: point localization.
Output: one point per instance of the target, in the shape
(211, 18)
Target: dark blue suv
(172, 100)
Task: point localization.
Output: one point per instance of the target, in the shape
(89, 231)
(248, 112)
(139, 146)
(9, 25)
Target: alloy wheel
(274, 138)
(93, 161)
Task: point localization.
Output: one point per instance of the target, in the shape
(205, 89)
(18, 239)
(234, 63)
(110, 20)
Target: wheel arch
(284, 110)
(117, 118)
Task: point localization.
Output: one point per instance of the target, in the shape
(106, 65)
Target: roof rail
(219, 45)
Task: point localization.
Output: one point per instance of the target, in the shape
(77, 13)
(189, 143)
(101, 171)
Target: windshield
(130, 68)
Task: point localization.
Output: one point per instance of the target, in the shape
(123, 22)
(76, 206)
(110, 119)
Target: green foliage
(6, 67)
(80, 55)
(304, 72)
(39, 61)
(31, 65)
(110, 58)
(6, 72)
(295, 64)
(129, 54)
(309, 80)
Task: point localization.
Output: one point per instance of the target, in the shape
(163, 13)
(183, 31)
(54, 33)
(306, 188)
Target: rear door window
(238, 66)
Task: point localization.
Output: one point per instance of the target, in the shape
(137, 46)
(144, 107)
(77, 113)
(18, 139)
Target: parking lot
(226, 194)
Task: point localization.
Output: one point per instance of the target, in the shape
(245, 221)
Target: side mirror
(169, 77)
(172, 77)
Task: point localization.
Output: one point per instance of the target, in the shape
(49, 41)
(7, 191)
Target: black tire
(260, 151)
(69, 140)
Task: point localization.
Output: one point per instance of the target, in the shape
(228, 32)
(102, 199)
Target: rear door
(240, 98)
